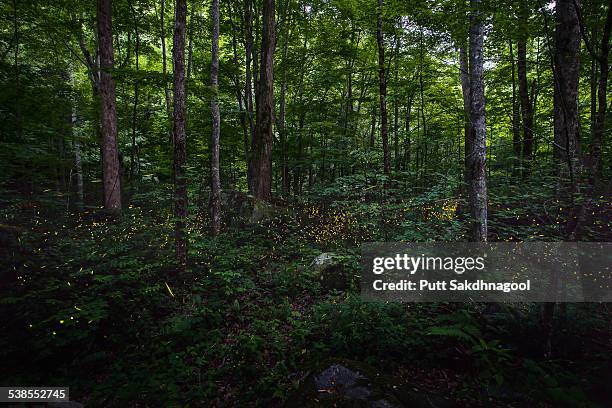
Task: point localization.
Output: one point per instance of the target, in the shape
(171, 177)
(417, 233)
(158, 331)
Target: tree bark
(215, 179)
(382, 83)
(566, 72)
(179, 135)
(262, 142)
(600, 119)
(108, 111)
(164, 58)
(248, 89)
(526, 106)
(133, 149)
(396, 148)
(478, 176)
(465, 90)
(516, 131)
(286, 182)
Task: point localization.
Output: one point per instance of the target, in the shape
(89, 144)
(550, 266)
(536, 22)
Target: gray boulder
(330, 272)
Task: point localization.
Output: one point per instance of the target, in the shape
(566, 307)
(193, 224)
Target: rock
(241, 207)
(343, 383)
(347, 383)
(262, 211)
(330, 271)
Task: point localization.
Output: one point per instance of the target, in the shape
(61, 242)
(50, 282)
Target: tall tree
(526, 103)
(465, 90)
(382, 85)
(215, 179)
(566, 76)
(516, 131)
(601, 57)
(478, 175)
(262, 140)
(179, 134)
(108, 110)
(248, 88)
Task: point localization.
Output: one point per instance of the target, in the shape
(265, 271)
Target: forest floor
(91, 302)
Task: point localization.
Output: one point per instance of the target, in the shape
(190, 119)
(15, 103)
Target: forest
(186, 186)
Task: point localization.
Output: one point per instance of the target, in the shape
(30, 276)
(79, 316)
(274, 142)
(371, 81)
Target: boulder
(343, 384)
(330, 272)
(347, 383)
(242, 207)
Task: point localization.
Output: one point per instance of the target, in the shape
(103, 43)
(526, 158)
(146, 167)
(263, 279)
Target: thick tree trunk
(179, 135)
(478, 176)
(465, 90)
(262, 142)
(566, 65)
(215, 179)
(108, 111)
(382, 84)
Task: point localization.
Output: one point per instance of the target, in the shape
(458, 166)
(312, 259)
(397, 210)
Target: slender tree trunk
(600, 120)
(285, 177)
(164, 57)
(215, 179)
(133, 148)
(478, 175)
(406, 164)
(526, 106)
(241, 103)
(465, 90)
(382, 83)
(396, 148)
(567, 71)
(190, 42)
(516, 131)
(108, 111)
(179, 134)
(78, 164)
(262, 143)
(373, 128)
(248, 89)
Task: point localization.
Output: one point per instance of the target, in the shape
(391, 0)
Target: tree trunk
(465, 90)
(478, 176)
(600, 120)
(133, 148)
(382, 83)
(164, 58)
(108, 111)
(179, 135)
(262, 142)
(516, 131)
(396, 149)
(215, 179)
(566, 70)
(286, 182)
(77, 157)
(526, 106)
(248, 89)
(373, 128)
(406, 161)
